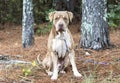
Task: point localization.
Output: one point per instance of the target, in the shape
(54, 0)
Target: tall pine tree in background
(27, 24)
(94, 28)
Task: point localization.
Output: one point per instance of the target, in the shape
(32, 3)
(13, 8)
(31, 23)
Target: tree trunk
(94, 28)
(27, 24)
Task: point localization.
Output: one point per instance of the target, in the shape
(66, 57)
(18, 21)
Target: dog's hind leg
(47, 64)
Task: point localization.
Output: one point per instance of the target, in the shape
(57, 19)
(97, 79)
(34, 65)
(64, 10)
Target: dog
(60, 45)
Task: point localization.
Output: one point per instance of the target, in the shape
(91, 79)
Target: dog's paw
(77, 74)
(54, 77)
(50, 73)
(62, 72)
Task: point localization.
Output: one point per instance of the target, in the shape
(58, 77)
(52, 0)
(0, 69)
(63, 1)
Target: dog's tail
(39, 60)
(40, 64)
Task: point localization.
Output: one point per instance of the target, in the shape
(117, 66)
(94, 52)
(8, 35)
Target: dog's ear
(51, 15)
(70, 15)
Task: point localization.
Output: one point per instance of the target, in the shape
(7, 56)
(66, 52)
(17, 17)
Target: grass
(43, 29)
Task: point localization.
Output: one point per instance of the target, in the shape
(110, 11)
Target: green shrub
(47, 13)
(114, 15)
(43, 29)
(11, 10)
(40, 8)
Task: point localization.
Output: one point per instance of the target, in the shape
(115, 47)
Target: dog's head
(60, 19)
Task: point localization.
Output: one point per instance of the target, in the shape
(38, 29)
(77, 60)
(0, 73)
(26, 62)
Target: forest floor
(101, 66)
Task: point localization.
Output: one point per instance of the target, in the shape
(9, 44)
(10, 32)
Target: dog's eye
(65, 18)
(56, 18)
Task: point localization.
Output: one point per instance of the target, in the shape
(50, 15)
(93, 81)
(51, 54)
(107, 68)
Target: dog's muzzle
(61, 27)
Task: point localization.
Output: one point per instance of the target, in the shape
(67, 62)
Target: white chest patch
(61, 44)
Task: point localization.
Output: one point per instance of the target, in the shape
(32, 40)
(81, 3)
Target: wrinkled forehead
(61, 14)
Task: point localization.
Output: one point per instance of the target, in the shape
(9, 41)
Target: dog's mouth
(61, 28)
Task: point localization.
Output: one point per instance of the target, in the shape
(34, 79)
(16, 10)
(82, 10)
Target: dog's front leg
(55, 66)
(72, 61)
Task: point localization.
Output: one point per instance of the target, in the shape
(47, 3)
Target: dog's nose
(61, 25)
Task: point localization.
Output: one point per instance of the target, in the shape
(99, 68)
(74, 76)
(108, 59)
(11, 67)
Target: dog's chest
(61, 44)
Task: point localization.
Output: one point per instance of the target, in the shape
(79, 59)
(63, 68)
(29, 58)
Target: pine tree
(94, 28)
(27, 24)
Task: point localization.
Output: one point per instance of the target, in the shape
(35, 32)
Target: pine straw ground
(99, 67)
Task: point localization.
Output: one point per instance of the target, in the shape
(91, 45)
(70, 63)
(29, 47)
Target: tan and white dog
(60, 45)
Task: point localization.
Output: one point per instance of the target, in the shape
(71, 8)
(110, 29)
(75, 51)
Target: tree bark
(27, 24)
(94, 28)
